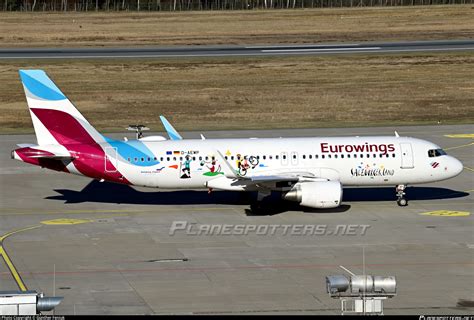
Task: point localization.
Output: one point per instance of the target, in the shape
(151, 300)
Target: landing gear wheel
(402, 202)
(255, 209)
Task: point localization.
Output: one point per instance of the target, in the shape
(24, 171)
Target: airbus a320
(311, 171)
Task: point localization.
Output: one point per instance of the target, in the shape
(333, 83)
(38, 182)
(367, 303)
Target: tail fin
(55, 119)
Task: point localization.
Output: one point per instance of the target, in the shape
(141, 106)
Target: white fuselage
(354, 161)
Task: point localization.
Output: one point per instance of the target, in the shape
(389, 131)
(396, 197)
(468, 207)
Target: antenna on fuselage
(138, 128)
(396, 134)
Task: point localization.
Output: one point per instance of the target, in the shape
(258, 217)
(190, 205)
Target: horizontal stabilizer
(53, 157)
(26, 145)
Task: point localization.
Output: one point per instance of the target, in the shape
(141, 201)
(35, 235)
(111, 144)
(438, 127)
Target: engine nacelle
(318, 194)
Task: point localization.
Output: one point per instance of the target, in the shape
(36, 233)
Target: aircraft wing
(282, 176)
(172, 133)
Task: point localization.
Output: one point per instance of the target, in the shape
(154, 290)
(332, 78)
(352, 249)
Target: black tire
(402, 202)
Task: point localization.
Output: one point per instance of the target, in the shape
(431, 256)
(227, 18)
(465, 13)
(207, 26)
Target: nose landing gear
(401, 200)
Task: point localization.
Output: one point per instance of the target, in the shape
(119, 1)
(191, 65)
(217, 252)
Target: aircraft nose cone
(455, 166)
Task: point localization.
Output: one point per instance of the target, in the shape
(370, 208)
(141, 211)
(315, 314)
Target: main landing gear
(401, 200)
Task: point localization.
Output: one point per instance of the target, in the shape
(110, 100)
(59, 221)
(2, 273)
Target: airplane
(309, 170)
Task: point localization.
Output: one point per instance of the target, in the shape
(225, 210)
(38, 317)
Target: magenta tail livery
(311, 171)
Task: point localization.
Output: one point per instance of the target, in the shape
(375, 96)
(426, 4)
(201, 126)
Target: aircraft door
(406, 155)
(110, 159)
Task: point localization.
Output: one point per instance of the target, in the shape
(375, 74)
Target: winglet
(227, 168)
(172, 133)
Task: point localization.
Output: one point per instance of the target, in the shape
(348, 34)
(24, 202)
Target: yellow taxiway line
(13, 270)
(8, 261)
(461, 146)
(446, 213)
(460, 135)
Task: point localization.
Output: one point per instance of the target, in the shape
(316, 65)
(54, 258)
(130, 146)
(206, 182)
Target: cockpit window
(436, 153)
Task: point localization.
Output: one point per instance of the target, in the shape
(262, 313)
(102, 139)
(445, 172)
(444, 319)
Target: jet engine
(317, 194)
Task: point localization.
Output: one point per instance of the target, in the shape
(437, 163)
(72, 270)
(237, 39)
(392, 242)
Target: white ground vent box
(371, 305)
(18, 305)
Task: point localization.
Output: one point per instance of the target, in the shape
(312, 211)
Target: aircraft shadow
(106, 192)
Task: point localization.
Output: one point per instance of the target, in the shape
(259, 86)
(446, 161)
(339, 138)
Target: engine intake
(318, 194)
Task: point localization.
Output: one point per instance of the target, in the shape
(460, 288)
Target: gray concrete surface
(107, 265)
(254, 50)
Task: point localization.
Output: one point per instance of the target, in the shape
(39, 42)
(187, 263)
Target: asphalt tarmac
(108, 249)
(234, 51)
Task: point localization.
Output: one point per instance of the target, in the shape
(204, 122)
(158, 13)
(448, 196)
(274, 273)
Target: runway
(233, 51)
(110, 249)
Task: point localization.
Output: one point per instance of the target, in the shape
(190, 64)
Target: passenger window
(142, 159)
(393, 155)
(310, 156)
(232, 158)
(194, 158)
(304, 156)
(316, 156)
(294, 156)
(167, 158)
(264, 157)
(355, 155)
(329, 156)
(149, 159)
(342, 156)
(226, 158)
(161, 159)
(284, 157)
(335, 156)
(276, 157)
(128, 159)
(174, 158)
(348, 155)
(154, 158)
(323, 156)
(136, 159)
(270, 157)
